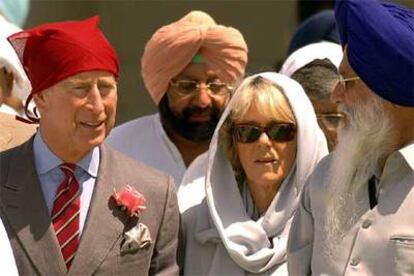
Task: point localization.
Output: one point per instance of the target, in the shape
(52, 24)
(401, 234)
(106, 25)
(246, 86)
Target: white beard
(363, 143)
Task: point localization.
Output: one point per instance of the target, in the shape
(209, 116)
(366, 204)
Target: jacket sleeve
(164, 260)
(300, 242)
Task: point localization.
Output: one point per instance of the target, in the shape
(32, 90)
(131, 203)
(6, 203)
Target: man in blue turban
(319, 27)
(356, 211)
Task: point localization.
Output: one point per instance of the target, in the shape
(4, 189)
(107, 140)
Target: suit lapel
(102, 229)
(25, 208)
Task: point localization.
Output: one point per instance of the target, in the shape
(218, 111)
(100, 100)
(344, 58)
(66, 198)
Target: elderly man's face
(351, 92)
(194, 116)
(78, 113)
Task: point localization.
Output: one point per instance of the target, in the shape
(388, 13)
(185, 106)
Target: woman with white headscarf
(238, 213)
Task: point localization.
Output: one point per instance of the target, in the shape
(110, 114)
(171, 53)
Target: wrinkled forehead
(89, 75)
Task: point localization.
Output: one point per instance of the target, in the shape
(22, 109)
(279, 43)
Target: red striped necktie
(65, 214)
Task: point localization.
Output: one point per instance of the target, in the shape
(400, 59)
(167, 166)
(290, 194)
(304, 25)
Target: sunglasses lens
(277, 132)
(247, 134)
(281, 132)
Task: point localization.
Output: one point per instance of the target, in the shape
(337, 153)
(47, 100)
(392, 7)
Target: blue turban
(317, 28)
(380, 38)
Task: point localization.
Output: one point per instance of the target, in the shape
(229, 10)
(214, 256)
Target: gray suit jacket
(24, 213)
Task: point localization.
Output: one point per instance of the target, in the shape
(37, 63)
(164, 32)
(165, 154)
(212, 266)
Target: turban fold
(380, 39)
(53, 52)
(173, 47)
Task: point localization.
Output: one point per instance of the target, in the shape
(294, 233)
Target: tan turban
(172, 48)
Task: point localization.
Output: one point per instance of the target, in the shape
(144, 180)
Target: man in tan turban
(190, 68)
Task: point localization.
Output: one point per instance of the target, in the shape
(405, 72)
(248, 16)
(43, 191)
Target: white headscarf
(309, 53)
(242, 243)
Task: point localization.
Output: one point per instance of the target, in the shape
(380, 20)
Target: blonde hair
(270, 101)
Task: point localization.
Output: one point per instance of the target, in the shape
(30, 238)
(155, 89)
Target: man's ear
(41, 100)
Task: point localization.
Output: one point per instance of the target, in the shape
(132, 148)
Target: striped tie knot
(65, 213)
(68, 169)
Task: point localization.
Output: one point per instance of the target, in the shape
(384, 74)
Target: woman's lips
(266, 161)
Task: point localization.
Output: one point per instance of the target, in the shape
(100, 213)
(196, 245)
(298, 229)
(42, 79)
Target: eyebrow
(77, 82)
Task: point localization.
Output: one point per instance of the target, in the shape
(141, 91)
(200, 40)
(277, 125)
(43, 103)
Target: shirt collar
(46, 160)
(407, 153)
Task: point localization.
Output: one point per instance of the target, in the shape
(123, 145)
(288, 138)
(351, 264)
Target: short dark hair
(317, 78)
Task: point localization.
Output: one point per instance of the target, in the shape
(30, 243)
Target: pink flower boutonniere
(129, 200)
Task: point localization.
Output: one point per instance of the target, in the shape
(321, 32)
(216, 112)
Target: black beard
(193, 131)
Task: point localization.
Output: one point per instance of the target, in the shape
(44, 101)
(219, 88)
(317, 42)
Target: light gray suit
(36, 250)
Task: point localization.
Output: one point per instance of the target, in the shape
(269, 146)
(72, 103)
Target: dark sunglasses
(279, 132)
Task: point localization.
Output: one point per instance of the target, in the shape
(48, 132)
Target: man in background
(355, 216)
(315, 67)
(190, 68)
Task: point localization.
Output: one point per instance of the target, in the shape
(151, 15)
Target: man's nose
(202, 98)
(95, 101)
(338, 93)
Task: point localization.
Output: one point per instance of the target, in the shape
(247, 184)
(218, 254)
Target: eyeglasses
(279, 132)
(330, 120)
(189, 87)
(343, 81)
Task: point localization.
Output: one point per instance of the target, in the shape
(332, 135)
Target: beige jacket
(380, 243)
(32, 237)
(13, 132)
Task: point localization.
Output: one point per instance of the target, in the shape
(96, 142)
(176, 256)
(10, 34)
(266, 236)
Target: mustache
(195, 110)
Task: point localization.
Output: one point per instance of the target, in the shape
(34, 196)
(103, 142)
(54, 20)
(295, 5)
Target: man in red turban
(69, 203)
(190, 68)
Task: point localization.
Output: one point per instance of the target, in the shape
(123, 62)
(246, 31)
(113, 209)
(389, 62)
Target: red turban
(172, 48)
(53, 52)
